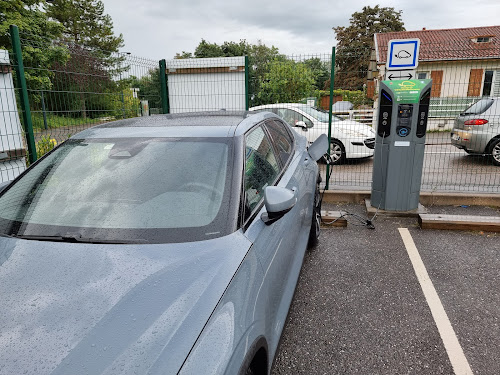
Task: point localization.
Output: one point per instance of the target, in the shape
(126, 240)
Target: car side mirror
(278, 202)
(301, 124)
(4, 185)
(319, 147)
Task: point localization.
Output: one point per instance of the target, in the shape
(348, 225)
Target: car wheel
(316, 217)
(337, 152)
(495, 152)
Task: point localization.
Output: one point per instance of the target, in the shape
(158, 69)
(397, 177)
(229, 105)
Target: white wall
(456, 75)
(10, 126)
(206, 84)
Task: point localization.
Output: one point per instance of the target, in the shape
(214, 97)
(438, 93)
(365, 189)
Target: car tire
(495, 152)
(314, 232)
(337, 152)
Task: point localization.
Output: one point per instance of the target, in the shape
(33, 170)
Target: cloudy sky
(158, 29)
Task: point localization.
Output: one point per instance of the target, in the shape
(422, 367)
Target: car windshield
(133, 189)
(478, 107)
(319, 115)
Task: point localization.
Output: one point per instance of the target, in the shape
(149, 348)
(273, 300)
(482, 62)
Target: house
(464, 65)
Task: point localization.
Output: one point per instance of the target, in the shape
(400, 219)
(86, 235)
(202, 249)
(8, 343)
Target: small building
(464, 65)
(12, 149)
(206, 84)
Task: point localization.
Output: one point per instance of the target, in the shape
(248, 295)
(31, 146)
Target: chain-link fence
(67, 88)
(463, 140)
(12, 149)
(70, 88)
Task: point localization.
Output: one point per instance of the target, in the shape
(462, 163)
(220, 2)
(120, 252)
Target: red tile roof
(450, 44)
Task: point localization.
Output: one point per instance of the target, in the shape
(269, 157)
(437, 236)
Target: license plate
(455, 137)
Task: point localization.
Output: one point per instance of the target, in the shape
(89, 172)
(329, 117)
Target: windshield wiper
(73, 238)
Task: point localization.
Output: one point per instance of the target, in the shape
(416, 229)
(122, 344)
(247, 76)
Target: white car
(350, 139)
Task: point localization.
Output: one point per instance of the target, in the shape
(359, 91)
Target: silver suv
(477, 129)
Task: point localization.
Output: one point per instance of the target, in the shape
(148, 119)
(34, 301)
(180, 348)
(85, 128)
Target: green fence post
(23, 95)
(164, 88)
(247, 99)
(330, 116)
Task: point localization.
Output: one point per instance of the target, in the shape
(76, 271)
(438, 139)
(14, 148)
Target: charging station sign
(402, 54)
(407, 91)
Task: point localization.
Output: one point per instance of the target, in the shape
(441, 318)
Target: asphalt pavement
(359, 307)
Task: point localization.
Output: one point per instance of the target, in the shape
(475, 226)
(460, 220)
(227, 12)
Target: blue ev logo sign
(402, 54)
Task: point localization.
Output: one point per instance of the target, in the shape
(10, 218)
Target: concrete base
(413, 213)
(426, 198)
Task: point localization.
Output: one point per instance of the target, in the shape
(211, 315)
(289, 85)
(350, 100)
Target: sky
(158, 29)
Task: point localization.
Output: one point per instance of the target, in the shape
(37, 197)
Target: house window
(483, 39)
(422, 75)
(488, 82)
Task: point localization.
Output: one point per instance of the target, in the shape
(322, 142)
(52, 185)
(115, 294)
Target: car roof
(193, 124)
(281, 105)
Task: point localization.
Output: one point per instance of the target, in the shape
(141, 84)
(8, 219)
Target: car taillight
(476, 122)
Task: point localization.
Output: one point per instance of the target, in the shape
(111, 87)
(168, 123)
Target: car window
(479, 107)
(281, 139)
(261, 167)
(137, 189)
(292, 117)
(320, 114)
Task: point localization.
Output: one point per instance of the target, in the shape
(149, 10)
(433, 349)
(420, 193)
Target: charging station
(400, 144)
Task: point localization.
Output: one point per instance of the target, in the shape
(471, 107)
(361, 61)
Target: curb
(426, 198)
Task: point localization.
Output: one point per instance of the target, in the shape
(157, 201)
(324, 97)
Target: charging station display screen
(405, 112)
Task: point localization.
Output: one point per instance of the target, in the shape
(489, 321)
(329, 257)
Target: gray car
(159, 245)
(477, 129)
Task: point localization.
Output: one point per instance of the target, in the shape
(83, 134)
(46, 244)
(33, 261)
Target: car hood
(107, 309)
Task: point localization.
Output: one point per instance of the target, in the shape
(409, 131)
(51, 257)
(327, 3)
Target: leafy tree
(149, 87)
(85, 23)
(320, 70)
(38, 33)
(94, 50)
(183, 55)
(285, 82)
(355, 42)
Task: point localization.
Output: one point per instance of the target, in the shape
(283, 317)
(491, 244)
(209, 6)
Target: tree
(85, 23)
(149, 87)
(38, 33)
(95, 59)
(320, 70)
(355, 42)
(286, 82)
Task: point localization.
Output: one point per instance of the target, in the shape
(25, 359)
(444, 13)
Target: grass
(55, 121)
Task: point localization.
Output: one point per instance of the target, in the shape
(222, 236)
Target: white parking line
(455, 353)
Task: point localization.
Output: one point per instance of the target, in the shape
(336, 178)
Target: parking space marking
(453, 349)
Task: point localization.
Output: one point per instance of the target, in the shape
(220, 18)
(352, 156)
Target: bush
(45, 145)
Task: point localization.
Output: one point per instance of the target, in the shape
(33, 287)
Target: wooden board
(333, 219)
(459, 222)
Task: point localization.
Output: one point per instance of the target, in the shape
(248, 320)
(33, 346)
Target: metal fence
(63, 88)
(84, 87)
(463, 73)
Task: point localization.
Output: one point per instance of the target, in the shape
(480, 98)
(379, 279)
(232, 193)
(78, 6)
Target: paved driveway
(359, 307)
